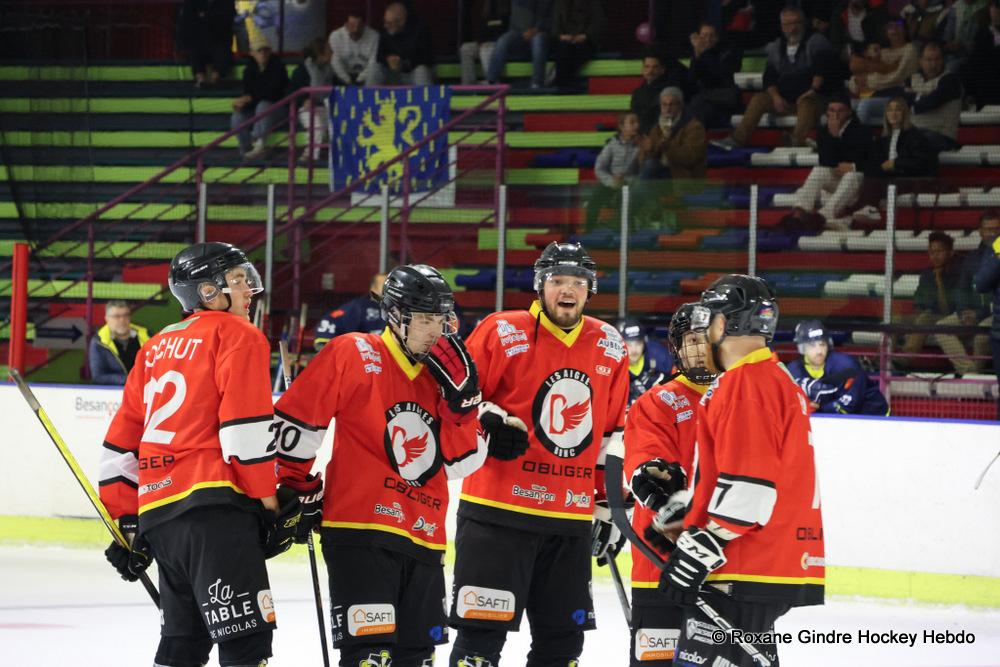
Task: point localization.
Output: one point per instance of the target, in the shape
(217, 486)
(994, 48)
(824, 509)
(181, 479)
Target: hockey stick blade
(81, 478)
(613, 469)
(982, 475)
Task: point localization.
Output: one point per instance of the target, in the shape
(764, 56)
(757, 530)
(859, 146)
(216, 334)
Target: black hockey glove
(130, 563)
(310, 492)
(653, 482)
(508, 435)
(657, 540)
(605, 538)
(452, 366)
(281, 529)
(697, 553)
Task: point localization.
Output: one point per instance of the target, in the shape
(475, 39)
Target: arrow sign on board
(61, 333)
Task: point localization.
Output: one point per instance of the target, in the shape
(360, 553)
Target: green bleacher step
(48, 289)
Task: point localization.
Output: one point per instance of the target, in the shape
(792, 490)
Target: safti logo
(371, 619)
(266, 604)
(562, 413)
(655, 644)
(487, 604)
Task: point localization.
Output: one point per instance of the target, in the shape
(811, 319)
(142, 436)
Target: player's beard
(566, 318)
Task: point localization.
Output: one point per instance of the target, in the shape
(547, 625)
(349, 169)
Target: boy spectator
(617, 162)
(844, 145)
(113, 349)
(936, 99)
(404, 55)
(264, 82)
(577, 27)
(797, 73)
(880, 70)
(716, 97)
(834, 382)
(530, 21)
(658, 72)
(354, 47)
(487, 20)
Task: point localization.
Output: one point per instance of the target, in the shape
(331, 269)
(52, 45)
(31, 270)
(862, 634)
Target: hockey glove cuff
(281, 529)
(697, 553)
(129, 563)
(310, 492)
(508, 435)
(450, 363)
(605, 538)
(653, 482)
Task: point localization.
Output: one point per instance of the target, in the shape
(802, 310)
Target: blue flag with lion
(372, 126)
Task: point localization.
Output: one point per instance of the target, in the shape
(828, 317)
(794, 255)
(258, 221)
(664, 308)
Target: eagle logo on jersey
(562, 413)
(411, 442)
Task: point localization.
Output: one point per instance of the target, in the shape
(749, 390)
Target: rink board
(901, 517)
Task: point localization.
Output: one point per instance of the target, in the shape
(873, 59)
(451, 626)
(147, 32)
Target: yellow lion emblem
(381, 142)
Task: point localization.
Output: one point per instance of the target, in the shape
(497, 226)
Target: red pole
(18, 307)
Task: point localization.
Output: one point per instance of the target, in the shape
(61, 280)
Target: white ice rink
(67, 607)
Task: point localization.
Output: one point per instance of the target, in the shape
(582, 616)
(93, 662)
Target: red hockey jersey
(571, 390)
(192, 428)
(386, 483)
(756, 477)
(662, 423)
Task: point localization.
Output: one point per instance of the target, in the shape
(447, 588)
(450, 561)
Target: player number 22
(154, 418)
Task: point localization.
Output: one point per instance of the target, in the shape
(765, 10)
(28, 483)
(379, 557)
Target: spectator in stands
(649, 361)
(818, 15)
(355, 47)
(797, 74)
(983, 70)
(716, 97)
(881, 71)
(315, 71)
(362, 315)
(264, 82)
(616, 164)
(113, 349)
(530, 21)
(577, 28)
(855, 23)
(987, 281)
(658, 72)
(921, 18)
(834, 382)
(405, 56)
(942, 294)
(936, 99)
(959, 26)
(978, 309)
(902, 150)
(484, 23)
(206, 33)
(835, 183)
(675, 149)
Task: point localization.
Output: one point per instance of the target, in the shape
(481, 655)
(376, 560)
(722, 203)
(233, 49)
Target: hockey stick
(317, 595)
(613, 467)
(982, 475)
(300, 336)
(616, 575)
(81, 478)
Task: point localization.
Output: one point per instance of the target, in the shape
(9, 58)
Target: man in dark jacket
(797, 74)
(405, 56)
(855, 23)
(362, 315)
(113, 349)
(658, 72)
(577, 27)
(264, 83)
(716, 95)
(987, 281)
(844, 145)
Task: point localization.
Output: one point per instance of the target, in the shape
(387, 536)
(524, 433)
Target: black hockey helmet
(810, 331)
(631, 329)
(684, 321)
(748, 303)
(565, 259)
(198, 273)
(416, 288)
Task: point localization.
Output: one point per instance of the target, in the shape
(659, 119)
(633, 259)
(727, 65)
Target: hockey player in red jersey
(187, 469)
(659, 453)
(524, 537)
(404, 404)
(753, 544)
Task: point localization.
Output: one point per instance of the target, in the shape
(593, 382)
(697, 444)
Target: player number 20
(287, 435)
